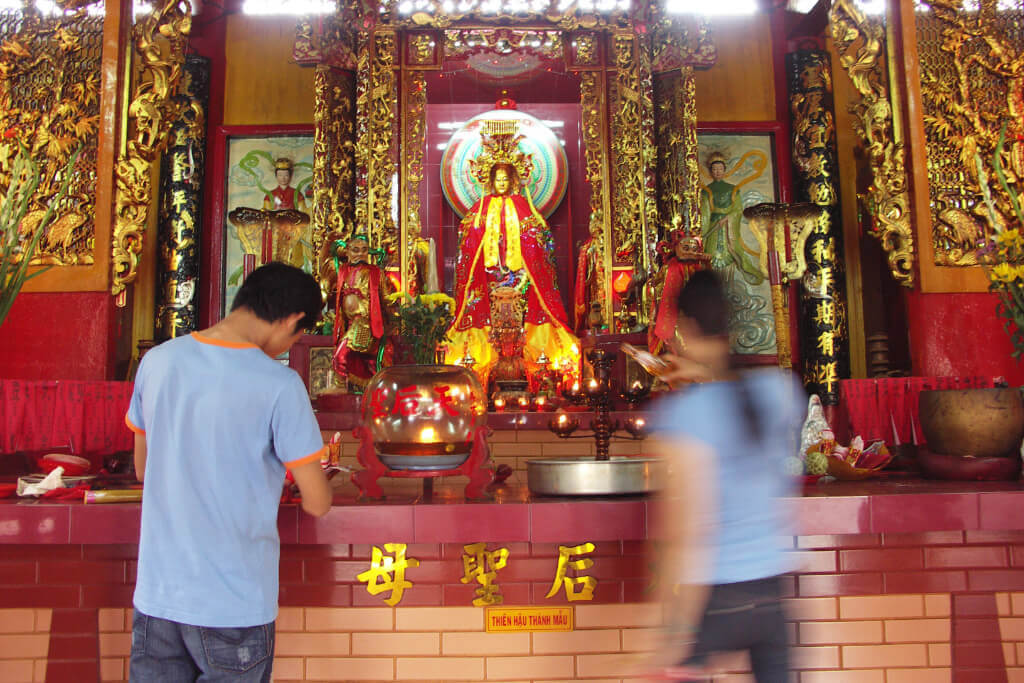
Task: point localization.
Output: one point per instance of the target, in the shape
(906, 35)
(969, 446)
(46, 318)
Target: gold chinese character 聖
(482, 566)
(586, 584)
(378, 578)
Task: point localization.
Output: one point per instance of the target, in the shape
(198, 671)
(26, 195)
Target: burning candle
(540, 402)
(428, 435)
(499, 405)
(524, 403)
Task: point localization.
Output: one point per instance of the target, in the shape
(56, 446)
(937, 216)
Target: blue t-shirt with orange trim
(222, 423)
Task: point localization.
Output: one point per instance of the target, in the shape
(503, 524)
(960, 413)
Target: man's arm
(314, 487)
(140, 456)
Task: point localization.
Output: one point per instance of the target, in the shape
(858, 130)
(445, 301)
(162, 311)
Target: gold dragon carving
(972, 84)
(860, 44)
(415, 112)
(333, 163)
(443, 13)
(376, 111)
(628, 151)
(159, 40)
(593, 107)
(49, 102)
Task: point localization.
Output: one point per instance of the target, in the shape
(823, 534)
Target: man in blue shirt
(217, 424)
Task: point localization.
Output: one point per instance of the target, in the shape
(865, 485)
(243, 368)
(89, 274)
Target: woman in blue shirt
(725, 438)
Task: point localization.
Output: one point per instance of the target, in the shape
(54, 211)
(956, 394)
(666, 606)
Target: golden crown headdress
(283, 164)
(715, 157)
(500, 142)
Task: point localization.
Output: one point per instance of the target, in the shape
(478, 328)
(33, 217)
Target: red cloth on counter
(872, 406)
(85, 418)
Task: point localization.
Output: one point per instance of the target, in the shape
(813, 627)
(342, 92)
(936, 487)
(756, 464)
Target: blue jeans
(170, 652)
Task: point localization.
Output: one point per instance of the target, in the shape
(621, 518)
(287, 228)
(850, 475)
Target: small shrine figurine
(284, 196)
(361, 326)
(682, 255)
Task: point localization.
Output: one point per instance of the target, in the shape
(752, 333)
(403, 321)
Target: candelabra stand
(597, 394)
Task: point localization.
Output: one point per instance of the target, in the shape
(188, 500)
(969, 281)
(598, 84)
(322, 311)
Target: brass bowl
(977, 422)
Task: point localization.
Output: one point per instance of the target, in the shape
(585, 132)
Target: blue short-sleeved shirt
(222, 422)
(749, 514)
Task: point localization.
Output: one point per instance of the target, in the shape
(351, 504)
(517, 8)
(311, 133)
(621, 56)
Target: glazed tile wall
(878, 608)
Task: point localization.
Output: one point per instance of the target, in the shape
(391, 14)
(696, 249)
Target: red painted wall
(67, 335)
(959, 334)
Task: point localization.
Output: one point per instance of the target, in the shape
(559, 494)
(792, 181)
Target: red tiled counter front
(913, 581)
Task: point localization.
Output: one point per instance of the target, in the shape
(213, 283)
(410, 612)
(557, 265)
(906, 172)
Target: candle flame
(428, 435)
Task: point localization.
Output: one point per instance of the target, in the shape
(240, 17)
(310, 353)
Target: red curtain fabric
(873, 407)
(84, 418)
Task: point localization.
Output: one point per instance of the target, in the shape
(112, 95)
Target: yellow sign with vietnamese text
(528, 619)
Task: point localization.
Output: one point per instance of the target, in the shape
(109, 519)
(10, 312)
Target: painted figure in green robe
(721, 212)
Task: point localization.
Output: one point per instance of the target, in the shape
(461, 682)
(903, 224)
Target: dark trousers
(746, 616)
(170, 652)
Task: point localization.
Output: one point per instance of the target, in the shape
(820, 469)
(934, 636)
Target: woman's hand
(684, 370)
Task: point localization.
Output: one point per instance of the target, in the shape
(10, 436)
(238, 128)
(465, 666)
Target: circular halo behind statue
(546, 183)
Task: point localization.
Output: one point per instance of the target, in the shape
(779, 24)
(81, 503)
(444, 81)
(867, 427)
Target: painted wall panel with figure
(737, 171)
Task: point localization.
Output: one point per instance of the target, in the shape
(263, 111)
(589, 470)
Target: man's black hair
(277, 290)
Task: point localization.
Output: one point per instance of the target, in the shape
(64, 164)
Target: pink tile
(1002, 510)
(470, 523)
(925, 582)
(924, 512)
(838, 515)
(380, 523)
(32, 522)
(576, 522)
(310, 595)
(814, 585)
(105, 523)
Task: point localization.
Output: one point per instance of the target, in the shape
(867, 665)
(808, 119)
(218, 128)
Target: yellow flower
(1003, 272)
(395, 296)
(437, 298)
(1010, 238)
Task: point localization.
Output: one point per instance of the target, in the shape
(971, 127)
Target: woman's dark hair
(277, 290)
(703, 300)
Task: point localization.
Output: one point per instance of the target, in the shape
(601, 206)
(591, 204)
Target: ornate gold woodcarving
(586, 49)
(859, 42)
(376, 112)
(682, 41)
(444, 13)
(649, 166)
(414, 145)
(160, 39)
(678, 167)
(628, 151)
(333, 163)
(972, 83)
(459, 42)
(49, 101)
(592, 96)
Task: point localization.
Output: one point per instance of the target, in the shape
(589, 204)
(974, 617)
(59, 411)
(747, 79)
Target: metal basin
(976, 422)
(588, 477)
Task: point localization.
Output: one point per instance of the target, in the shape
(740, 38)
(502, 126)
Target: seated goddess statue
(505, 243)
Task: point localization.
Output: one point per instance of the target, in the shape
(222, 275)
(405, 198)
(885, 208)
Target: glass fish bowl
(424, 417)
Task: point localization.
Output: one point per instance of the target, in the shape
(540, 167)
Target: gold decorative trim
(443, 14)
(160, 39)
(860, 44)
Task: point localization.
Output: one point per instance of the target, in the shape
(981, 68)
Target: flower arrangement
(20, 237)
(1006, 253)
(423, 321)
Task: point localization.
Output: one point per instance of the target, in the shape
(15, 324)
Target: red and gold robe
(507, 231)
(359, 326)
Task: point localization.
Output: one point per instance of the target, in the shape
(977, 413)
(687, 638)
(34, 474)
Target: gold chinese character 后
(587, 584)
(480, 565)
(378, 578)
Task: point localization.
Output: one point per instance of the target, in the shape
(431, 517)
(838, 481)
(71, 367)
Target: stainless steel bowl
(589, 477)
